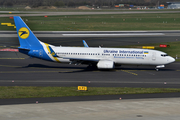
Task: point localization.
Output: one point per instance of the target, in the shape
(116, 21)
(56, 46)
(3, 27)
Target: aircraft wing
(77, 61)
(101, 63)
(82, 59)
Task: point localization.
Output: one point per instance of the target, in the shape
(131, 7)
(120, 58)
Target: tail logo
(53, 53)
(23, 33)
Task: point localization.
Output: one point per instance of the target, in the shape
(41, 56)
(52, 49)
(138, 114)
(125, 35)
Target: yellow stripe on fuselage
(47, 46)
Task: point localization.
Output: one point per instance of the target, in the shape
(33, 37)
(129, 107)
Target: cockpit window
(164, 55)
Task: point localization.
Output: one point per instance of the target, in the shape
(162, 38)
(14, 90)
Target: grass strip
(7, 92)
(116, 22)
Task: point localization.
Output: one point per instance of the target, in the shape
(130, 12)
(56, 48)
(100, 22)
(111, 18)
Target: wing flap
(83, 59)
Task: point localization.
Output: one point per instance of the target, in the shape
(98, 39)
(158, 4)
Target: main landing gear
(159, 66)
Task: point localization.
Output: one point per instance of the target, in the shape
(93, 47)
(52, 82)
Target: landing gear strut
(159, 66)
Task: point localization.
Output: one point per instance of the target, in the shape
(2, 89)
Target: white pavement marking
(133, 34)
(88, 35)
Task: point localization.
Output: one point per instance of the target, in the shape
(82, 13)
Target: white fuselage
(117, 55)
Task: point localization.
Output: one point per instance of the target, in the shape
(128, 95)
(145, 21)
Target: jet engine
(105, 64)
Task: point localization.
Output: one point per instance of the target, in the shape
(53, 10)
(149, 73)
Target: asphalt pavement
(91, 12)
(25, 71)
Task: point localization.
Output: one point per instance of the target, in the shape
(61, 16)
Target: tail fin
(85, 44)
(26, 37)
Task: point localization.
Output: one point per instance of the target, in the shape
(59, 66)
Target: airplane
(102, 58)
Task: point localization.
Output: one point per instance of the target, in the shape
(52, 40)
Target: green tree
(8, 4)
(71, 4)
(59, 4)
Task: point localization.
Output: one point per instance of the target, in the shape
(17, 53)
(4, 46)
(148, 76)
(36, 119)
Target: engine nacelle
(105, 64)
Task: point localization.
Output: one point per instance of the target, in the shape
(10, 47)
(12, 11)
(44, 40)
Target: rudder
(26, 37)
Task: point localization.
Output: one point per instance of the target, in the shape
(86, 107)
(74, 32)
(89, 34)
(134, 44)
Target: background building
(173, 5)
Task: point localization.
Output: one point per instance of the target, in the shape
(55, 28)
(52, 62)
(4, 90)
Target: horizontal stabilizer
(23, 49)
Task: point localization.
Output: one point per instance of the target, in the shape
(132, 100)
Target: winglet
(85, 44)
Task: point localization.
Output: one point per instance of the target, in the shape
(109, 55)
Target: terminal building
(173, 5)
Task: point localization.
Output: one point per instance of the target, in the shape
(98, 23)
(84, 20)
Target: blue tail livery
(29, 43)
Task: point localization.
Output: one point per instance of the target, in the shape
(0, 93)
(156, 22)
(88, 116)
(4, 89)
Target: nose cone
(171, 59)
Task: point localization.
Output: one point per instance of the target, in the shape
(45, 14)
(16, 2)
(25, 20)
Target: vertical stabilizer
(26, 37)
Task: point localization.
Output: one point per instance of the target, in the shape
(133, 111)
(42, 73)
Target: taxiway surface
(32, 13)
(95, 39)
(36, 72)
